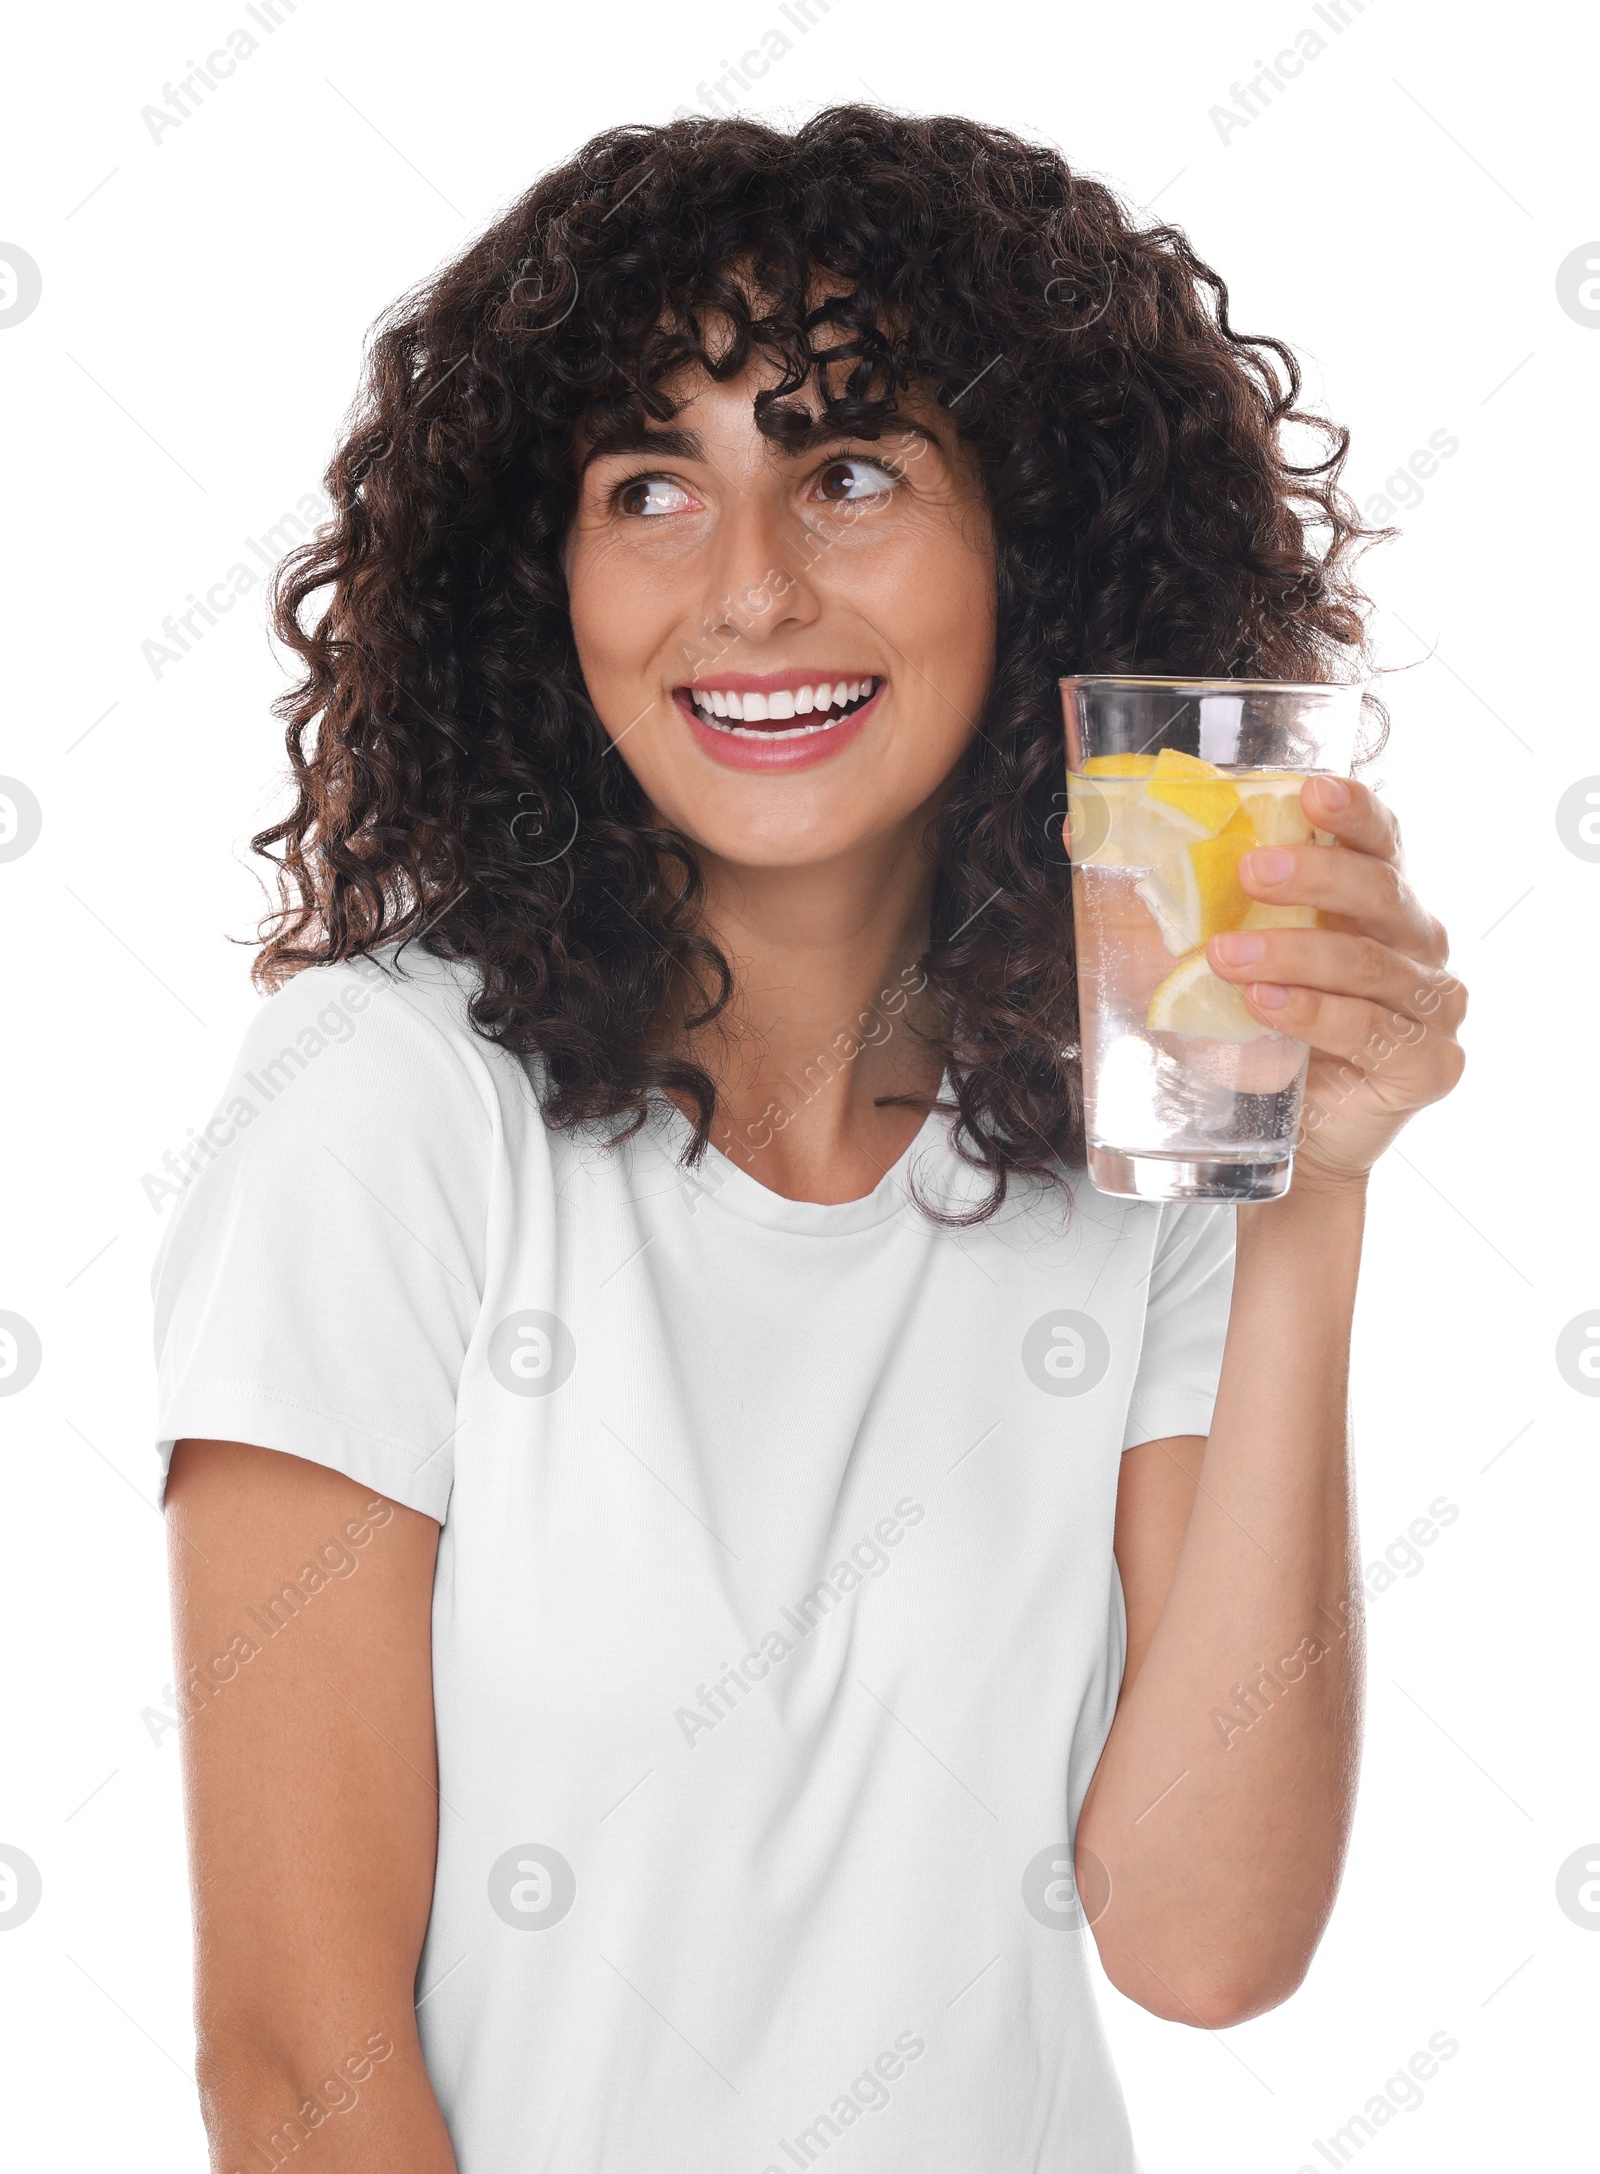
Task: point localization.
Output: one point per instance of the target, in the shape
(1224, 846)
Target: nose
(758, 584)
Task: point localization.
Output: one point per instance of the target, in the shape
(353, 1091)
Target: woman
(653, 1631)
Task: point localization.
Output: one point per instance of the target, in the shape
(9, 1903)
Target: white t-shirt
(777, 1629)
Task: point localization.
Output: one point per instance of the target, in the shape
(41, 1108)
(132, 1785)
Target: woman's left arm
(1222, 1803)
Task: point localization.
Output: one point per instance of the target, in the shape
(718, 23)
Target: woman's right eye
(651, 495)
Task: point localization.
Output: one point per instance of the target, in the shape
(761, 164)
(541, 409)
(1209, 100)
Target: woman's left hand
(1369, 990)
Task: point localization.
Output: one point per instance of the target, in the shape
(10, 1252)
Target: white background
(1399, 214)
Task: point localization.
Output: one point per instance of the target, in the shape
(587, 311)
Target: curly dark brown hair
(1147, 512)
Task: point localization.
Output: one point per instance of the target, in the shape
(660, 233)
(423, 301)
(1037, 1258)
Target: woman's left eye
(875, 478)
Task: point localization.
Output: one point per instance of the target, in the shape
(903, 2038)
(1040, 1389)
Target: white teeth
(717, 702)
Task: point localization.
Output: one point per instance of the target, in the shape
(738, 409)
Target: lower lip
(801, 752)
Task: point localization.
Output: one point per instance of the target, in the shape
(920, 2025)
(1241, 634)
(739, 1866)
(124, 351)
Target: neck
(824, 1018)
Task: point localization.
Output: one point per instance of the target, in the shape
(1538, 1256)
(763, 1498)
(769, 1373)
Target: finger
(1354, 814)
(1343, 964)
(1361, 889)
(1404, 1054)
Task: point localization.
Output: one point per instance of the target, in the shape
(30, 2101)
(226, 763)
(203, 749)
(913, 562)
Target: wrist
(1313, 1201)
(1310, 1184)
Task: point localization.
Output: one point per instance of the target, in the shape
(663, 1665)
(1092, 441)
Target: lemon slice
(1153, 833)
(1193, 1000)
(1273, 806)
(1194, 894)
(1172, 762)
(1197, 789)
(1119, 766)
(1096, 812)
(1172, 906)
(1224, 901)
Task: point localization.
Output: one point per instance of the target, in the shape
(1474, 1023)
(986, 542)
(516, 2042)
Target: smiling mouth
(784, 713)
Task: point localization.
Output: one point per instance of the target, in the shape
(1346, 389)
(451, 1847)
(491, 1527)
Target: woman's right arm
(302, 1633)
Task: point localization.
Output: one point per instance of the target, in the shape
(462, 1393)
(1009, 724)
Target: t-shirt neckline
(720, 1179)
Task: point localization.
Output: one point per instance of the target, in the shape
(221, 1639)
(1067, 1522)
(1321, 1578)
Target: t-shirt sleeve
(1186, 1323)
(318, 1285)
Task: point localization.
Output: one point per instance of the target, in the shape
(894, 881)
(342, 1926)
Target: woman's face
(789, 650)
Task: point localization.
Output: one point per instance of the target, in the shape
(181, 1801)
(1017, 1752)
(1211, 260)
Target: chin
(744, 840)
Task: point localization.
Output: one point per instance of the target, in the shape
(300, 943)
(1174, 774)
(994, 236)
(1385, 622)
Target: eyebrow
(636, 437)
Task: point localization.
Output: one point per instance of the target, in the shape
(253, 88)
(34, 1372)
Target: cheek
(966, 624)
(596, 587)
(939, 612)
(621, 609)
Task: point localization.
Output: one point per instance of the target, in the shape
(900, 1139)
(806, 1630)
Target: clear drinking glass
(1169, 782)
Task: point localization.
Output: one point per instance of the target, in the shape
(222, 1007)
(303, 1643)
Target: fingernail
(1269, 994)
(1265, 865)
(1239, 949)
(1332, 793)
